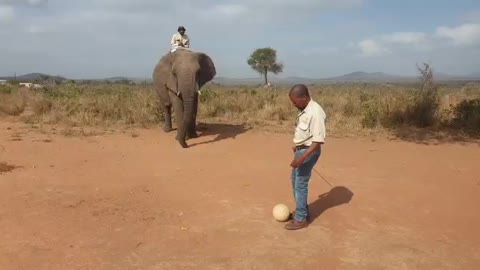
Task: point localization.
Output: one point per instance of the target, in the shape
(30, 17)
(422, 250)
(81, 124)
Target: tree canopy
(264, 60)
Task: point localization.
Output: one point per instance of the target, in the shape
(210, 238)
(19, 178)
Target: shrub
(370, 114)
(207, 95)
(41, 105)
(6, 89)
(12, 104)
(424, 111)
(419, 108)
(349, 107)
(466, 115)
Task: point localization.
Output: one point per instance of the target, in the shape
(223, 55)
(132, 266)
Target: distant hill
(368, 77)
(358, 76)
(32, 77)
(237, 81)
(474, 75)
(260, 80)
(117, 79)
(351, 77)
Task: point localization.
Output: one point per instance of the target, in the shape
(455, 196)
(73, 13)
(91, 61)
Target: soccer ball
(281, 212)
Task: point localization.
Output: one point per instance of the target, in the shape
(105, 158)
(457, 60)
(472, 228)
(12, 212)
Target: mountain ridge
(356, 76)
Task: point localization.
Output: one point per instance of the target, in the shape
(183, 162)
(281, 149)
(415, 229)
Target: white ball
(281, 212)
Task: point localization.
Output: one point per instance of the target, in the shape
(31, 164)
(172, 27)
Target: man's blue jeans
(300, 180)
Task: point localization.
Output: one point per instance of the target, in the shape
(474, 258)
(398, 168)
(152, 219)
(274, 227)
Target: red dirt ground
(141, 202)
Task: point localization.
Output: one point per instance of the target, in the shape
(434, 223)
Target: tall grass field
(351, 108)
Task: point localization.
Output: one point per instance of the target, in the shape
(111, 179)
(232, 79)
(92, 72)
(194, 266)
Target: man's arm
(300, 160)
(317, 128)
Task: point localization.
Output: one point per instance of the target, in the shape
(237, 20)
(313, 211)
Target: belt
(302, 146)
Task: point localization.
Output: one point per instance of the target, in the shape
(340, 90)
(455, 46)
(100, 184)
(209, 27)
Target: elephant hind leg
(166, 104)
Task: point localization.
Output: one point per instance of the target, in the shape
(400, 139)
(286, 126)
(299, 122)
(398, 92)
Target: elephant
(177, 79)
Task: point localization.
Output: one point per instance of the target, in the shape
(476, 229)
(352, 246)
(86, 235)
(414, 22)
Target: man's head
(181, 30)
(299, 96)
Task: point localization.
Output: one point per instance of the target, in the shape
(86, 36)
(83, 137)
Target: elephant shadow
(222, 131)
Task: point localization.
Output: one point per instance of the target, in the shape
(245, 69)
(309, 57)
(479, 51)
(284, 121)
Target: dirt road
(140, 202)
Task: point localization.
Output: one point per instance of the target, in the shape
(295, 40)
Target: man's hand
(297, 162)
(294, 149)
(301, 159)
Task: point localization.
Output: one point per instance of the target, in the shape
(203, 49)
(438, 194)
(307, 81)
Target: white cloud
(254, 7)
(314, 4)
(6, 14)
(223, 11)
(36, 29)
(99, 38)
(319, 51)
(24, 2)
(371, 48)
(466, 35)
(37, 2)
(406, 38)
(229, 10)
(463, 35)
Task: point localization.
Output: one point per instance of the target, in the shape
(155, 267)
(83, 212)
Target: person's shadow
(336, 196)
(222, 132)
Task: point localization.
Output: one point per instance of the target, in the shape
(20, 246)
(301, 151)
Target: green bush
(466, 115)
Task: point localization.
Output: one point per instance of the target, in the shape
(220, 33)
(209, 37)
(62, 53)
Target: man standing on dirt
(309, 136)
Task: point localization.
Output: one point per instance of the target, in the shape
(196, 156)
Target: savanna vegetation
(352, 108)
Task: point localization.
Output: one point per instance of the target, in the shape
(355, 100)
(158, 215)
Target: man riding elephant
(180, 40)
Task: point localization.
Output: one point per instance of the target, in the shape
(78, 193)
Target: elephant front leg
(192, 130)
(168, 118)
(178, 108)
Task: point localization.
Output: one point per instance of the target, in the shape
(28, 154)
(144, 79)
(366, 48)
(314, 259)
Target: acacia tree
(264, 60)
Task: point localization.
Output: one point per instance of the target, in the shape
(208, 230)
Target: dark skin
(182, 32)
(300, 99)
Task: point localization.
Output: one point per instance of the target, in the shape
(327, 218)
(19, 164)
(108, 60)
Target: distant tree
(264, 60)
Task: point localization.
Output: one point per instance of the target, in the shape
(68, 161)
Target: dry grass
(12, 103)
(351, 108)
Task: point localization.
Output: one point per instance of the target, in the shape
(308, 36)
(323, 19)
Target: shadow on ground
(335, 197)
(5, 167)
(222, 131)
(434, 137)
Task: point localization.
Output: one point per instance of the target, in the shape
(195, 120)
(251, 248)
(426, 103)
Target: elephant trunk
(188, 90)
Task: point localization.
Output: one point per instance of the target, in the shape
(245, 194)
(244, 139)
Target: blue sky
(313, 38)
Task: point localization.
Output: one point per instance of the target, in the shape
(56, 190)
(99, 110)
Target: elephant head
(184, 73)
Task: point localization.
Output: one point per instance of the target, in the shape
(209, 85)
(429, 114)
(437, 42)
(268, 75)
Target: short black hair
(181, 28)
(299, 90)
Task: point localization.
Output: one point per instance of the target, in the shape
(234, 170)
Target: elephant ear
(207, 70)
